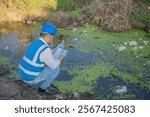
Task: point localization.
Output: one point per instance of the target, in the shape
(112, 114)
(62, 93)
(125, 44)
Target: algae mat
(122, 56)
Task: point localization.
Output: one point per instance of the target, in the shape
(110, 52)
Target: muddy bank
(16, 90)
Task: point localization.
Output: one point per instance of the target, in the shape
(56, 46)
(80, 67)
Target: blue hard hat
(49, 28)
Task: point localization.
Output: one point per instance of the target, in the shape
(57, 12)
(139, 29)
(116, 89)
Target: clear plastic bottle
(122, 90)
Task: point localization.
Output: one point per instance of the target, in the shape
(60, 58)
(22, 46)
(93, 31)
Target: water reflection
(14, 39)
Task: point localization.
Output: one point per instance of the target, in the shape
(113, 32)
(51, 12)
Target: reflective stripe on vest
(29, 72)
(38, 52)
(32, 63)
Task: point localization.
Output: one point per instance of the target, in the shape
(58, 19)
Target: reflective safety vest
(30, 66)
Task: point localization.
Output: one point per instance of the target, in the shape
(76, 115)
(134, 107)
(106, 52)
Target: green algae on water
(4, 60)
(84, 78)
(92, 39)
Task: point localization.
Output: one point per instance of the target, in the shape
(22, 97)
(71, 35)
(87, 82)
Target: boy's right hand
(63, 53)
(61, 45)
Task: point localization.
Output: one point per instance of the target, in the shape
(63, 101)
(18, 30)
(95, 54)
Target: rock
(148, 8)
(133, 43)
(76, 95)
(122, 48)
(121, 90)
(59, 97)
(29, 22)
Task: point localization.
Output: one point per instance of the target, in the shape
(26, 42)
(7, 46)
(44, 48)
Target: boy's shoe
(49, 90)
(31, 86)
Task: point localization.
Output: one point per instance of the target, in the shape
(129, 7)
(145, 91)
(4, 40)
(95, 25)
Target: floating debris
(125, 43)
(122, 48)
(133, 43)
(101, 52)
(144, 64)
(74, 29)
(141, 47)
(5, 48)
(135, 48)
(137, 57)
(145, 42)
(121, 90)
(75, 39)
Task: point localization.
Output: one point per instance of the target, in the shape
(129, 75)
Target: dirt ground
(15, 90)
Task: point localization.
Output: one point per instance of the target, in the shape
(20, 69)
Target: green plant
(144, 1)
(65, 5)
(142, 17)
(81, 3)
(4, 60)
(68, 5)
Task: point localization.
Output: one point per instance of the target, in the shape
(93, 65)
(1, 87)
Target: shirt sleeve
(48, 58)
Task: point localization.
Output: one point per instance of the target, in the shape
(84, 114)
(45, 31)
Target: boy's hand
(61, 45)
(63, 53)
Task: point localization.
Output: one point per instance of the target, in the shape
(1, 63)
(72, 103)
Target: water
(64, 76)
(14, 40)
(13, 45)
(76, 58)
(103, 91)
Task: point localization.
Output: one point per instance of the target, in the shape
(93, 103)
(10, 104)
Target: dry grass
(18, 10)
(111, 16)
(64, 19)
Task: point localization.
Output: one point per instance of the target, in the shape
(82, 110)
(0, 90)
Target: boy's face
(50, 39)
